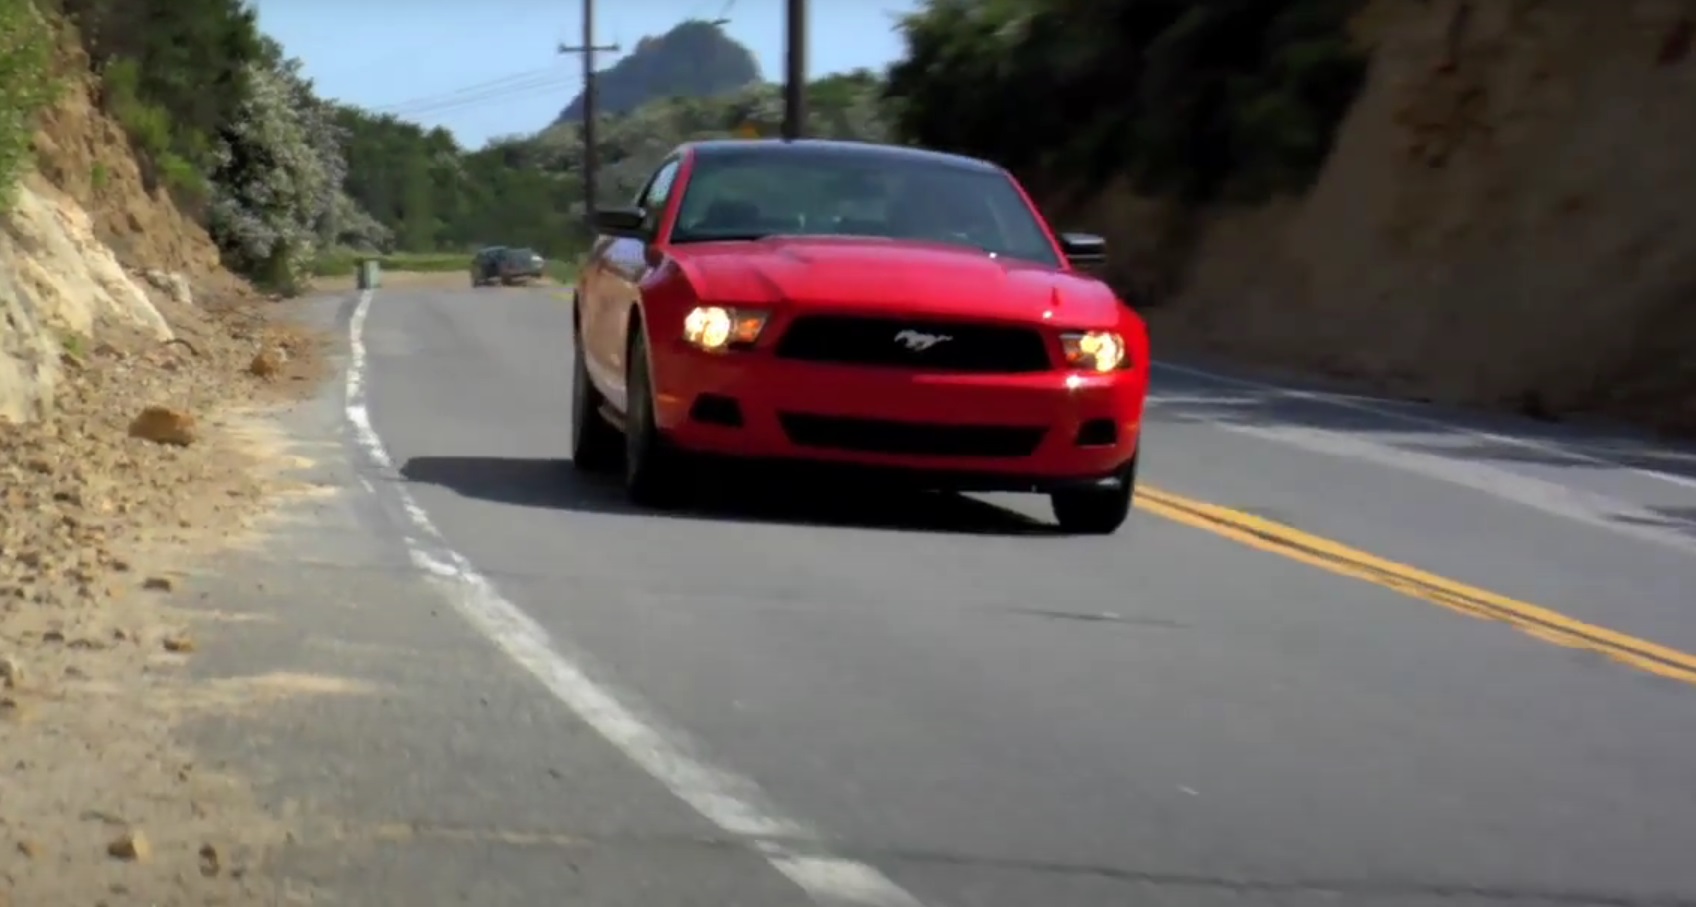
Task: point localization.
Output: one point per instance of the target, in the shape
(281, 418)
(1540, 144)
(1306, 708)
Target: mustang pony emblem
(918, 341)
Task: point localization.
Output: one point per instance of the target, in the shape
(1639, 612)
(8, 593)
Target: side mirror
(1084, 250)
(626, 222)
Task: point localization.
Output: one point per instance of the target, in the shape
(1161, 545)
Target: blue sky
(489, 68)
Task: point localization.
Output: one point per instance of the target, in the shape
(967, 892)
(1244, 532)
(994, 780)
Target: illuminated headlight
(1095, 351)
(719, 328)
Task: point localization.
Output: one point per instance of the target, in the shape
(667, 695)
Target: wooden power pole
(588, 49)
(795, 70)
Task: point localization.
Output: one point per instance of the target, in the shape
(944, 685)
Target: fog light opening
(1098, 433)
(717, 409)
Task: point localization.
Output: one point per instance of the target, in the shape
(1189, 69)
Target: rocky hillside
(137, 374)
(1508, 219)
(695, 59)
(1482, 202)
(151, 147)
(86, 245)
(633, 144)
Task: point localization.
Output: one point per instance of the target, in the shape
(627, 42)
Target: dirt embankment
(134, 379)
(1508, 219)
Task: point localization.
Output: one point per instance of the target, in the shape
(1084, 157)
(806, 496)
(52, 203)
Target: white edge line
(1363, 405)
(734, 804)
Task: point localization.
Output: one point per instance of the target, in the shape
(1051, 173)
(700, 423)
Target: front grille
(916, 438)
(900, 343)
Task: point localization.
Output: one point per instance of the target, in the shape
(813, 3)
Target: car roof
(711, 148)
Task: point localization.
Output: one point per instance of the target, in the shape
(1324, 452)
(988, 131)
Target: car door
(613, 284)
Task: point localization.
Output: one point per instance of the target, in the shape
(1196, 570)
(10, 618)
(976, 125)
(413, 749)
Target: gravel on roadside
(155, 455)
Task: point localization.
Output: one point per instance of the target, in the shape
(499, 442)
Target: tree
(1194, 99)
(277, 177)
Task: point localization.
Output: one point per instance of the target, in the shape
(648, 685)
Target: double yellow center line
(1540, 622)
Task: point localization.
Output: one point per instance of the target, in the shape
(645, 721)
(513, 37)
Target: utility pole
(588, 49)
(795, 70)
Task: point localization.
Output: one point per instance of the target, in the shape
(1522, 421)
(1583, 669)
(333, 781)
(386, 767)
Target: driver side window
(654, 198)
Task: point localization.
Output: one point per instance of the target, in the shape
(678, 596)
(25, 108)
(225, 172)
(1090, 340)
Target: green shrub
(182, 177)
(345, 262)
(342, 262)
(27, 85)
(1201, 101)
(561, 271)
(149, 125)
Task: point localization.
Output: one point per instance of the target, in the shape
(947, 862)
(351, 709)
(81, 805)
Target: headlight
(1095, 351)
(719, 328)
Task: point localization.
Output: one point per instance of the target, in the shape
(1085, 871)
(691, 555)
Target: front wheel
(1096, 511)
(653, 472)
(595, 444)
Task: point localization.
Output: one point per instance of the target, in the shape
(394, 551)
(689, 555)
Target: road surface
(1346, 652)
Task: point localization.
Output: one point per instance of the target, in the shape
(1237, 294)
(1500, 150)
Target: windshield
(759, 192)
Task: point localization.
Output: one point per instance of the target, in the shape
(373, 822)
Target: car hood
(876, 276)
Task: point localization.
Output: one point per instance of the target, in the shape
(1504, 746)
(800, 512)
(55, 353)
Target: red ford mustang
(855, 305)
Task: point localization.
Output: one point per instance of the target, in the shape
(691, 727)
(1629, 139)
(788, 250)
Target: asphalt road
(933, 700)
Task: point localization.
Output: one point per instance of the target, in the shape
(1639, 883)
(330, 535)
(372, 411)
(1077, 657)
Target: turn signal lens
(1095, 351)
(718, 328)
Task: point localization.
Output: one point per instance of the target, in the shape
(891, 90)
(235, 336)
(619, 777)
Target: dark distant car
(506, 266)
(519, 265)
(868, 306)
(485, 265)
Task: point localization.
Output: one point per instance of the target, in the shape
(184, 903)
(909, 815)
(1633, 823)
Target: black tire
(595, 444)
(653, 473)
(1096, 511)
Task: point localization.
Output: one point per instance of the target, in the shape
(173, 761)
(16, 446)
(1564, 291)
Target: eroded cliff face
(1508, 219)
(58, 286)
(85, 248)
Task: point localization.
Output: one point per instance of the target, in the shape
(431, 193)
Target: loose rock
(163, 425)
(210, 863)
(266, 363)
(132, 846)
(181, 643)
(12, 710)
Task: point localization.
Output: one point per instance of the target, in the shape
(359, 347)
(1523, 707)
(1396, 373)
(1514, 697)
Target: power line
(454, 100)
(540, 90)
(535, 88)
(478, 87)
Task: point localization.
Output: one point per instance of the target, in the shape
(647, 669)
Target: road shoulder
(156, 456)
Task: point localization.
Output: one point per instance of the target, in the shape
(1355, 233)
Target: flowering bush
(277, 178)
(26, 85)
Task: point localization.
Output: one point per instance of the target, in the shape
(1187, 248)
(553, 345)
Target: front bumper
(983, 432)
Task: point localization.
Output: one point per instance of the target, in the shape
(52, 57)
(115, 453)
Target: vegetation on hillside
(694, 59)
(174, 72)
(27, 84)
(431, 195)
(216, 113)
(528, 190)
(631, 146)
(288, 183)
(1199, 100)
